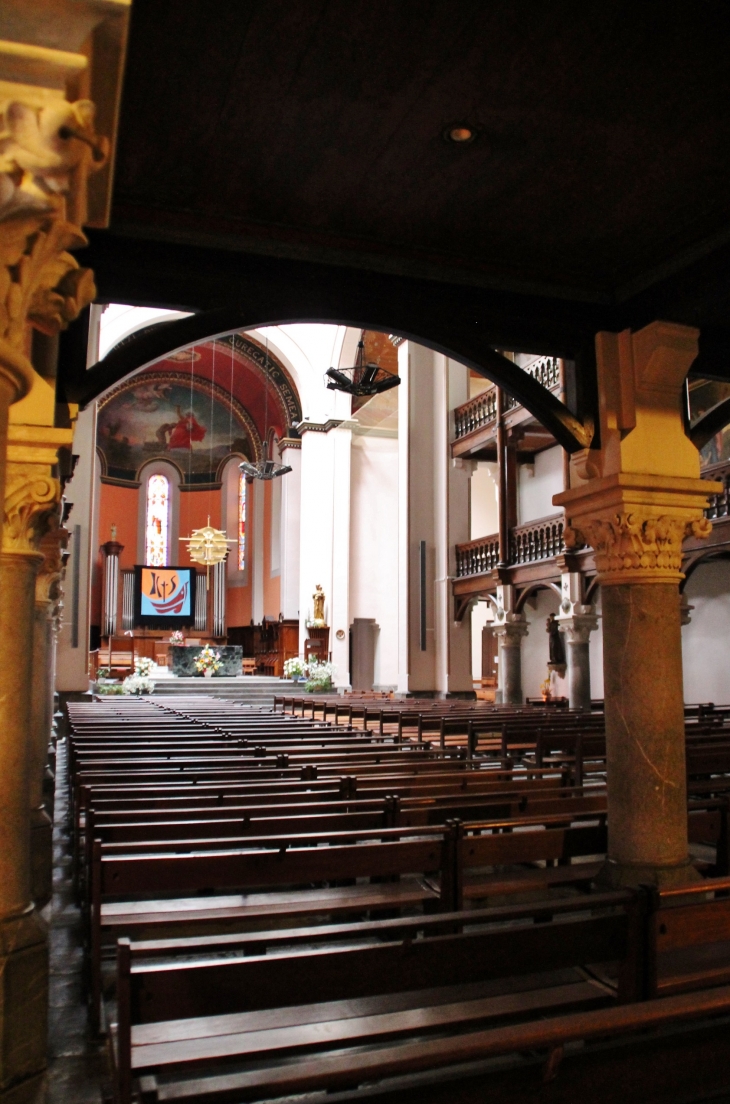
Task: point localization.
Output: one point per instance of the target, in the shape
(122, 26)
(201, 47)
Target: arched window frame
(172, 474)
(157, 516)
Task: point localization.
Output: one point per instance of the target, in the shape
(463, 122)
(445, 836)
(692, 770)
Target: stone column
(509, 628)
(32, 494)
(577, 621)
(577, 629)
(47, 606)
(633, 501)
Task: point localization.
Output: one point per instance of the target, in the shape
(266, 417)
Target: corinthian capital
(46, 154)
(637, 546)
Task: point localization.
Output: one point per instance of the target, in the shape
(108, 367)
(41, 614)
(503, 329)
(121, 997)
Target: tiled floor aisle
(77, 1065)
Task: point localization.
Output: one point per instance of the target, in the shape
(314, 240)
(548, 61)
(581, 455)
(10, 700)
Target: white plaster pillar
(72, 654)
(435, 651)
(339, 617)
(258, 490)
(291, 509)
(325, 533)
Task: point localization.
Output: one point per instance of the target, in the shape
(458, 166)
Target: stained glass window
(157, 521)
(241, 521)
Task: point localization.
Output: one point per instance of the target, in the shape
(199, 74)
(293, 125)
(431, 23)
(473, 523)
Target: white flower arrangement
(138, 684)
(294, 668)
(319, 676)
(208, 660)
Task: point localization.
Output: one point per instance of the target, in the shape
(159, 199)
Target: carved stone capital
(637, 546)
(577, 627)
(636, 524)
(46, 154)
(509, 628)
(31, 498)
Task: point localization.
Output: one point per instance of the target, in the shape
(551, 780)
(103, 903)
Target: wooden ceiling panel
(602, 155)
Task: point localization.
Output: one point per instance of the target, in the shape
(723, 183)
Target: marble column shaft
(509, 635)
(577, 629)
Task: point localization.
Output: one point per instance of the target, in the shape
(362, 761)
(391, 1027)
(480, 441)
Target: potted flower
(177, 638)
(208, 662)
(295, 669)
(319, 677)
(140, 682)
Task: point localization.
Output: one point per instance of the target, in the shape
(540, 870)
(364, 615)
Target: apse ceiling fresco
(195, 408)
(165, 415)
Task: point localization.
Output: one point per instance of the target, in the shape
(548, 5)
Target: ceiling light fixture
(264, 469)
(361, 379)
(460, 134)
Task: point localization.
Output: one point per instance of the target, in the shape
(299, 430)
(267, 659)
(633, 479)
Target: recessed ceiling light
(460, 134)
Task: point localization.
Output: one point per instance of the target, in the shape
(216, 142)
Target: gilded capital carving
(32, 495)
(46, 154)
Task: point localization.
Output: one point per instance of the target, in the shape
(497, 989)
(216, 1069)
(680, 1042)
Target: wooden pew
(688, 937)
(282, 861)
(661, 1056)
(178, 1014)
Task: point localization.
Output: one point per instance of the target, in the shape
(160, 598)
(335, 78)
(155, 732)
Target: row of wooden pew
(300, 906)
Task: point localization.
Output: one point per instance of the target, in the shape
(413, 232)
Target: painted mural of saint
(183, 432)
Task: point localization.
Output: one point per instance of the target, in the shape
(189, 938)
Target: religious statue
(556, 644)
(318, 607)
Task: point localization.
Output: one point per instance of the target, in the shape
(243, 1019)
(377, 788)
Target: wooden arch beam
(282, 306)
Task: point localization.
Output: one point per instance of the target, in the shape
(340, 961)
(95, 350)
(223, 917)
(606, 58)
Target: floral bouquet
(294, 668)
(177, 637)
(319, 676)
(140, 682)
(208, 660)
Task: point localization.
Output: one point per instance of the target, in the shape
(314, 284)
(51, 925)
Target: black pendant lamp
(361, 379)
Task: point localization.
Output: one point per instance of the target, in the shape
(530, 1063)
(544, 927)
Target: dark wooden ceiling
(313, 129)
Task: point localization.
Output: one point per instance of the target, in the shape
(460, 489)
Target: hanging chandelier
(207, 546)
(361, 379)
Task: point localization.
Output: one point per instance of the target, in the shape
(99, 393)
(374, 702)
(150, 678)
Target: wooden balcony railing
(538, 540)
(719, 504)
(477, 557)
(482, 409)
(478, 412)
